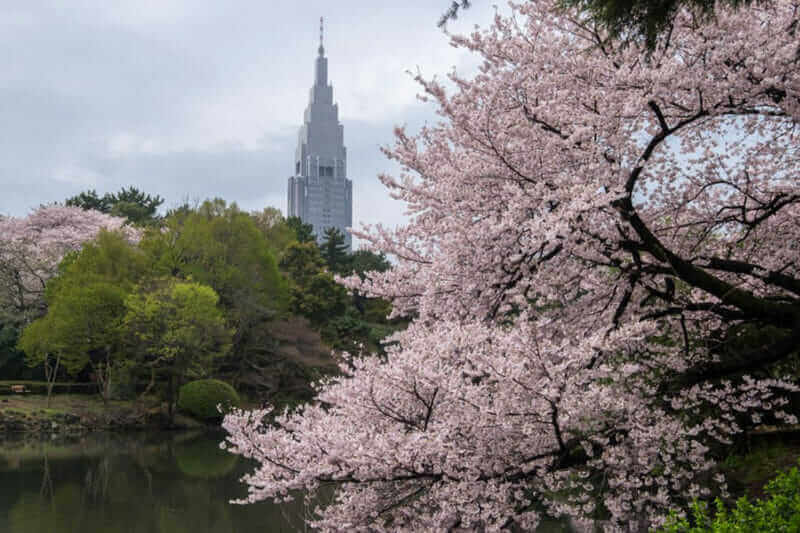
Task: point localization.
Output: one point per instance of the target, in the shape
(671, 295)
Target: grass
(90, 408)
(44, 411)
(77, 404)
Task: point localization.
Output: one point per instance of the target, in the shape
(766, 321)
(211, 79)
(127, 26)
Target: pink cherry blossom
(592, 226)
(32, 247)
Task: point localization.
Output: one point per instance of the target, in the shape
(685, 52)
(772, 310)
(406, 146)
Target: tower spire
(321, 49)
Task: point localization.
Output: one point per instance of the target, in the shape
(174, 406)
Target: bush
(779, 512)
(201, 398)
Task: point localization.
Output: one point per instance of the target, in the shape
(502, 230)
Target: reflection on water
(131, 483)
(138, 483)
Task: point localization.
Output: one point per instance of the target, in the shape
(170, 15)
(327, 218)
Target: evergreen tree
(130, 203)
(304, 232)
(334, 251)
(135, 205)
(90, 200)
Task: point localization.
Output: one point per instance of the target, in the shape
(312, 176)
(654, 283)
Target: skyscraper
(319, 192)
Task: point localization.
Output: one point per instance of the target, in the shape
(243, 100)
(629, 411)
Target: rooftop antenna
(321, 29)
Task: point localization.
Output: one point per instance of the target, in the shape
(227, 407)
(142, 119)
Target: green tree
(136, 206)
(320, 300)
(363, 261)
(90, 317)
(110, 257)
(90, 200)
(85, 311)
(314, 293)
(219, 245)
(301, 262)
(345, 322)
(276, 230)
(41, 342)
(177, 329)
(346, 332)
(334, 251)
(303, 232)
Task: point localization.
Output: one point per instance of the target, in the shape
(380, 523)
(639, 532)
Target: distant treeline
(103, 289)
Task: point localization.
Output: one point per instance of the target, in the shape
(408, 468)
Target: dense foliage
(136, 206)
(197, 292)
(32, 247)
(347, 322)
(223, 247)
(207, 399)
(175, 328)
(595, 224)
(779, 511)
(334, 250)
(31, 251)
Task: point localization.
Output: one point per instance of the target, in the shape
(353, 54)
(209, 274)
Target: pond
(131, 483)
(163, 482)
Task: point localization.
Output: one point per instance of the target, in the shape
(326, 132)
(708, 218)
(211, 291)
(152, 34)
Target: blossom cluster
(599, 231)
(32, 247)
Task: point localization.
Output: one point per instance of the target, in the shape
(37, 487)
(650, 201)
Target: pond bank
(75, 414)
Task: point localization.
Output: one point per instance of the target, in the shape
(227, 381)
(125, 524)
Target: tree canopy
(219, 245)
(334, 250)
(276, 230)
(85, 309)
(303, 231)
(629, 19)
(32, 247)
(176, 328)
(597, 225)
(136, 206)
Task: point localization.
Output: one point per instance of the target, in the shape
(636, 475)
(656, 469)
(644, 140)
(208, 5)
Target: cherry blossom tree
(32, 247)
(603, 263)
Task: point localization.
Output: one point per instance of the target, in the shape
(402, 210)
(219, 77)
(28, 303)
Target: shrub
(200, 398)
(780, 511)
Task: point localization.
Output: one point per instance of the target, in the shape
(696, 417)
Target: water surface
(162, 482)
(131, 483)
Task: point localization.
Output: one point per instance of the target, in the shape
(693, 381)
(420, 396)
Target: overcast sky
(192, 99)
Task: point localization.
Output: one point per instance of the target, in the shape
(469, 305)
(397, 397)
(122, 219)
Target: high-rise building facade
(319, 192)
